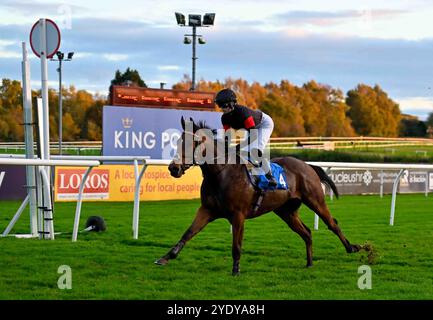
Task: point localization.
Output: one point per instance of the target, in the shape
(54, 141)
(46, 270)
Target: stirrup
(271, 179)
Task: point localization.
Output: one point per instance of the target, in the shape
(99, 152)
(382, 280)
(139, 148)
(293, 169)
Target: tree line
(312, 109)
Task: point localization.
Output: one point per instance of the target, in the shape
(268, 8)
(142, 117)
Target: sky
(337, 42)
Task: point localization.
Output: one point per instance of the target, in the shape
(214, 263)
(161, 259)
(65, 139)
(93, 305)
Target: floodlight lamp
(70, 55)
(208, 19)
(194, 20)
(180, 18)
(186, 40)
(60, 55)
(201, 41)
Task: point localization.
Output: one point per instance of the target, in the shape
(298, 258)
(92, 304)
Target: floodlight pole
(194, 57)
(194, 22)
(60, 59)
(60, 107)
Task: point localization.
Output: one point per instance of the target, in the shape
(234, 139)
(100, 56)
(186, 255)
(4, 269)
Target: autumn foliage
(312, 109)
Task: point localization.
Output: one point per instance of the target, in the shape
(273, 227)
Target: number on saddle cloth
(261, 182)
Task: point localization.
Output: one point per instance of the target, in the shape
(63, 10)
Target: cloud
(420, 106)
(168, 68)
(328, 18)
(9, 49)
(115, 56)
(32, 7)
(101, 46)
(9, 54)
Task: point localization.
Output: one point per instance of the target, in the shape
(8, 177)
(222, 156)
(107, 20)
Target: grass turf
(112, 265)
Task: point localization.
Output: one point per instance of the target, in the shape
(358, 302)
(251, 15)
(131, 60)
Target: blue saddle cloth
(260, 181)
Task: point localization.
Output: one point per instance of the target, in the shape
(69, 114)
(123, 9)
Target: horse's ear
(195, 127)
(182, 122)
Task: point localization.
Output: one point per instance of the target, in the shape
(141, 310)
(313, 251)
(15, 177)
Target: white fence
(352, 165)
(280, 143)
(95, 161)
(43, 221)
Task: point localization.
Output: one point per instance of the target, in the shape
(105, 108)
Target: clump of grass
(369, 253)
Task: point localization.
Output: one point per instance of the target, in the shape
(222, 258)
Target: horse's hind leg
(294, 222)
(202, 218)
(318, 205)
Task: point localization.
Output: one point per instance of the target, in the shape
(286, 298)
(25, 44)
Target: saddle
(261, 183)
(258, 177)
(259, 180)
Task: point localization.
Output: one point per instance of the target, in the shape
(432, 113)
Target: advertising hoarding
(158, 98)
(368, 181)
(117, 183)
(131, 131)
(12, 182)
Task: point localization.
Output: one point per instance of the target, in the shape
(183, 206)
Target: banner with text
(131, 131)
(117, 183)
(369, 181)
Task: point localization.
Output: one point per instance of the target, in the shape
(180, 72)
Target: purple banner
(132, 131)
(12, 182)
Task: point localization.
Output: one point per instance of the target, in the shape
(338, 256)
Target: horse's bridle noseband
(185, 167)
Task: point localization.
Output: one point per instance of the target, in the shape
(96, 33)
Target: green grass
(111, 265)
(403, 154)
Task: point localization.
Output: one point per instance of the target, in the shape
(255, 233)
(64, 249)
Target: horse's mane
(202, 125)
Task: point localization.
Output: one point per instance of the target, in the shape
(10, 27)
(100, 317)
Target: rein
(195, 163)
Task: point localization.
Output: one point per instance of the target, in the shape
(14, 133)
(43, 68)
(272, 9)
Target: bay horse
(226, 192)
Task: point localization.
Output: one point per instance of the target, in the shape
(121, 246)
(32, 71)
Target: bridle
(185, 167)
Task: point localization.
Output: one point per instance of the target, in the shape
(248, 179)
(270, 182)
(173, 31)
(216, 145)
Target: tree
(287, 116)
(372, 112)
(429, 125)
(130, 77)
(324, 111)
(92, 126)
(11, 111)
(429, 121)
(411, 126)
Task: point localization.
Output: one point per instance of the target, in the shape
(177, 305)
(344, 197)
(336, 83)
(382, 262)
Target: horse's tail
(325, 179)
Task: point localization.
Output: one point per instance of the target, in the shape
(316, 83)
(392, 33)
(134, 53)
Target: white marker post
(45, 41)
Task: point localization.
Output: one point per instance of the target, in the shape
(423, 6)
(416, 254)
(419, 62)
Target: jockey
(240, 117)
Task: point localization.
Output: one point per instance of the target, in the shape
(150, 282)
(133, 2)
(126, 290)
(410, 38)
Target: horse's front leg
(238, 234)
(202, 218)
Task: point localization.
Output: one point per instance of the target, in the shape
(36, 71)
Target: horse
(227, 192)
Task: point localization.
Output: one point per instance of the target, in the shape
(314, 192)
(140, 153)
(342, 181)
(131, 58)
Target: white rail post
(79, 201)
(48, 209)
(39, 203)
(45, 115)
(316, 222)
(394, 196)
(426, 183)
(136, 214)
(28, 138)
(381, 183)
(16, 216)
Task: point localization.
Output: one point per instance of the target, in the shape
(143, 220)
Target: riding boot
(267, 168)
(272, 181)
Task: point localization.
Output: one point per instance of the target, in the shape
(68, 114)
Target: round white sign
(52, 38)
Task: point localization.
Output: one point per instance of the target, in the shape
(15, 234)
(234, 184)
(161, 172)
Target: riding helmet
(225, 96)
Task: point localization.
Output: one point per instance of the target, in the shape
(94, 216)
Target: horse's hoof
(355, 248)
(236, 273)
(308, 266)
(161, 261)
